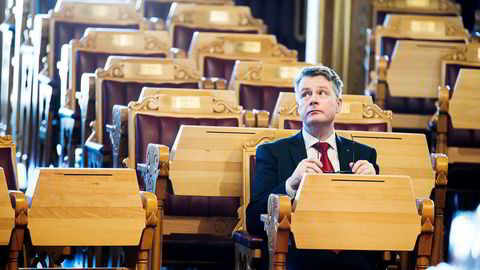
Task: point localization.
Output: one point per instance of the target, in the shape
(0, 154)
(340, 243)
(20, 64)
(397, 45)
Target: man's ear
(339, 103)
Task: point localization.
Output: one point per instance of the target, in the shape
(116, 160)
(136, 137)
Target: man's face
(317, 103)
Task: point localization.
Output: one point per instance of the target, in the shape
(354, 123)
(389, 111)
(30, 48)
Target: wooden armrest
(156, 177)
(426, 211)
(149, 201)
(177, 53)
(20, 205)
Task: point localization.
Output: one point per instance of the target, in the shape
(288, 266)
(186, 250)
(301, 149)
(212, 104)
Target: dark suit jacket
(275, 163)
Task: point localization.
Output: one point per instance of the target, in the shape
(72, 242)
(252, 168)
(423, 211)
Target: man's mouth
(314, 111)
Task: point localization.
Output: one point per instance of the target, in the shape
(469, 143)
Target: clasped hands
(312, 165)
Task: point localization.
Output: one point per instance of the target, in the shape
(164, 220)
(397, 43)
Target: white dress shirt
(332, 153)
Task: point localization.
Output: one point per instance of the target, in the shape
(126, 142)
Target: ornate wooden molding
(148, 103)
(6, 139)
(248, 20)
(220, 106)
(64, 13)
(252, 74)
(115, 71)
(456, 56)
(153, 44)
(289, 110)
(183, 17)
(373, 111)
(182, 73)
(455, 30)
(214, 47)
(87, 42)
(280, 50)
(253, 143)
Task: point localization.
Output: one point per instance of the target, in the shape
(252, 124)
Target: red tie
(322, 148)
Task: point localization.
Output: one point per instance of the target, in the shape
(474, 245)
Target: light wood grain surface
(355, 212)
(464, 107)
(85, 207)
(415, 68)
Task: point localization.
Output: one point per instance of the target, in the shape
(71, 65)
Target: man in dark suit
(281, 165)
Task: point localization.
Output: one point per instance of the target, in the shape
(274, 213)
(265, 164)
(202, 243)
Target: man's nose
(314, 99)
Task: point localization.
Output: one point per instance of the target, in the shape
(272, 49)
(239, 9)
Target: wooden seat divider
(90, 207)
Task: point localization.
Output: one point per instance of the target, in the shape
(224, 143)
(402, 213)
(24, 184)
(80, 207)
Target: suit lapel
(345, 152)
(297, 149)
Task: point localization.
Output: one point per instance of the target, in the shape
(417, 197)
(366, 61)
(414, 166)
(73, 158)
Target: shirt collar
(310, 140)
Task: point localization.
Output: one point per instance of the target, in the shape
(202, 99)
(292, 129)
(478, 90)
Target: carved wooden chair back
(92, 50)
(185, 19)
(157, 117)
(258, 83)
(216, 53)
(8, 162)
(123, 78)
(74, 196)
(161, 8)
(358, 113)
(70, 19)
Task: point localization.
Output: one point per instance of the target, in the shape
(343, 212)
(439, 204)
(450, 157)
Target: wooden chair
(358, 113)
(185, 19)
(13, 216)
(216, 53)
(381, 8)
(393, 160)
(198, 203)
(161, 8)
(120, 82)
(157, 116)
(413, 101)
(73, 208)
(258, 83)
(88, 54)
(8, 162)
(69, 20)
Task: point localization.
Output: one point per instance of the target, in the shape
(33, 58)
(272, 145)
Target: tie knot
(321, 147)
